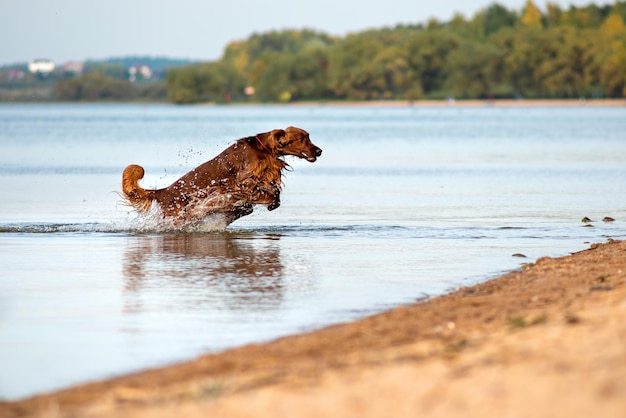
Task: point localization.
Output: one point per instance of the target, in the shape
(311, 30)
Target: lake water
(405, 203)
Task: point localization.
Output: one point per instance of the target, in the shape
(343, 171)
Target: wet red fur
(244, 174)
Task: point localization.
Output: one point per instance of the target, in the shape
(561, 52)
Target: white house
(41, 66)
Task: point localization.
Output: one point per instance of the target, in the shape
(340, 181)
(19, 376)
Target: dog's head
(293, 141)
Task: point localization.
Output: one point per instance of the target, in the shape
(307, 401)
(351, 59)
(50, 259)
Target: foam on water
(151, 222)
(154, 222)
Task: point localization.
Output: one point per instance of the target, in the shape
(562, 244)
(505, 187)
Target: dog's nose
(318, 152)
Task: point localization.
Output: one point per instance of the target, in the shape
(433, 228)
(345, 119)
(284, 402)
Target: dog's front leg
(274, 192)
(265, 194)
(275, 202)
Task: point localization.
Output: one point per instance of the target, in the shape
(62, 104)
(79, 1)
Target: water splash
(154, 221)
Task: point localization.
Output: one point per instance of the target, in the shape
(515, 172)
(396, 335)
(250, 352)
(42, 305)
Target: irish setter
(245, 174)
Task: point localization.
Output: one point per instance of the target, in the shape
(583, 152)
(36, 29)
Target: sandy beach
(475, 103)
(547, 340)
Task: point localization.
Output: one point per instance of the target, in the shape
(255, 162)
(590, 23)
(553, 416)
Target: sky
(77, 30)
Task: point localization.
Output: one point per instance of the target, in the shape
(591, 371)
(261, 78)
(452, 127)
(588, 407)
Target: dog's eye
(302, 140)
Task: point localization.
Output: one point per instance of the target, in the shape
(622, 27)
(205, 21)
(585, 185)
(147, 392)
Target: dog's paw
(273, 205)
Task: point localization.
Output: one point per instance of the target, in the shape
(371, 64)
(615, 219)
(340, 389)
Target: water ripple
(328, 231)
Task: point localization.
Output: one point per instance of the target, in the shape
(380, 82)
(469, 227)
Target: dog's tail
(135, 195)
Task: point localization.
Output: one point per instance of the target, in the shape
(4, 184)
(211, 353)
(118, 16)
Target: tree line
(111, 79)
(500, 53)
(98, 86)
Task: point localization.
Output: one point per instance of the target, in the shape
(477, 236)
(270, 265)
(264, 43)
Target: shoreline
(461, 103)
(470, 103)
(546, 340)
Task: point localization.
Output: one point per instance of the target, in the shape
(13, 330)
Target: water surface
(404, 203)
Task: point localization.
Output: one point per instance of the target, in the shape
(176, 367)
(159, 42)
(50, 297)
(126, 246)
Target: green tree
(549, 63)
(564, 74)
(427, 53)
(529, 49)
(350, 69)
(473, 69)
(94, 87)
(274, 82)
(498, 17)
(392, 73)
(208, 82)
(610, 58)
(110, 70)
(498, 52)
(553, 18)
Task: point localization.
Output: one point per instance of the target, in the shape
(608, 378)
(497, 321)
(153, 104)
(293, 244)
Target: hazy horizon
(71, 30)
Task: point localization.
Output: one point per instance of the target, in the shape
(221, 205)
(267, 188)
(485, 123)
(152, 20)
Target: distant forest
(578, 52)
(93, 80)
(499, 53)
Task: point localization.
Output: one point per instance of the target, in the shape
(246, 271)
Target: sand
(548, 340)
(472, 103)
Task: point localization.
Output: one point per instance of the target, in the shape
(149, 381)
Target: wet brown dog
(245, 174)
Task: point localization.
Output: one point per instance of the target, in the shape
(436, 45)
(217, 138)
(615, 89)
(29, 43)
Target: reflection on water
(203, 271)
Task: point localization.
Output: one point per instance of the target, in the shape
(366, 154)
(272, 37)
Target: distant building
(139, 71)
(16, 75)
(74, 67)
(41, 66)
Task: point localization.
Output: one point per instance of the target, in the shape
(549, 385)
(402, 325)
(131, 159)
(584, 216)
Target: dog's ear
(277, 138)
(294, 133)
(292, 130)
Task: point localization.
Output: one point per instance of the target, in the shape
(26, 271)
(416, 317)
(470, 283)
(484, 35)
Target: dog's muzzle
(316, 153)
